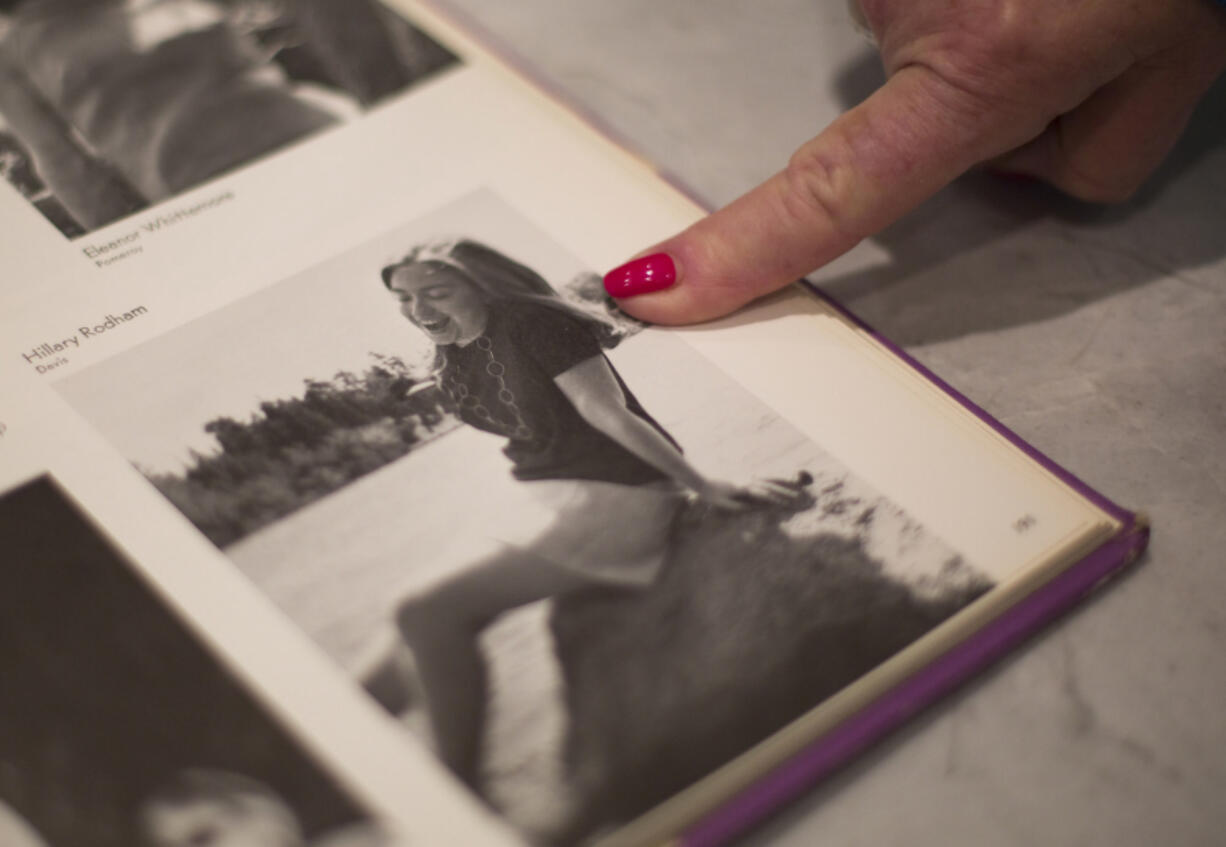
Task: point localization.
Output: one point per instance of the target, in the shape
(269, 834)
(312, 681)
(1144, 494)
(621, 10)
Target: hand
(1088, 95)
(762, 492)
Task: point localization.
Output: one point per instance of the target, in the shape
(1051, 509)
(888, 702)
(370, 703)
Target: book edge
(517, 64)
(1097, 498)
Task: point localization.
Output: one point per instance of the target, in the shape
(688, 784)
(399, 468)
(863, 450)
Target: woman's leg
(442, 626)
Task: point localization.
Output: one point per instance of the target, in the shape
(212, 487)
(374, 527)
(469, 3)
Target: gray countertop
(1099, 335)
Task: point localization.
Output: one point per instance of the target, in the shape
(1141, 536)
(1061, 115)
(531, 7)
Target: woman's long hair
(493, 274)
(500, 279)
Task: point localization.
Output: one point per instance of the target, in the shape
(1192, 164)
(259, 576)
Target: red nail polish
(640, 276)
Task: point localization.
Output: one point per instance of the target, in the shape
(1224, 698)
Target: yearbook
(340, 506)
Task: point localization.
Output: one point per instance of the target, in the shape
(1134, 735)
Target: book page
(364, 388)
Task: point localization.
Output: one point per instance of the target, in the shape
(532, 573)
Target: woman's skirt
(615, 534)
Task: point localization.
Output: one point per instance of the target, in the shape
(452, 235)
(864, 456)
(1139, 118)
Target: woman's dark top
(503, 382)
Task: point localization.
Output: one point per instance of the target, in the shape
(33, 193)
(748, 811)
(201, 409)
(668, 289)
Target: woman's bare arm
(594, 390)
(596, 394)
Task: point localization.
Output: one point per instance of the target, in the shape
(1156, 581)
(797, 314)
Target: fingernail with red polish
(640, 276)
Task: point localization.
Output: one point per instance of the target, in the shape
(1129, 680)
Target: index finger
(869, 167)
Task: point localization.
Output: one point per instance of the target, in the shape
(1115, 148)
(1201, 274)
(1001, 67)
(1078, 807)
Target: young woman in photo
(519, 362)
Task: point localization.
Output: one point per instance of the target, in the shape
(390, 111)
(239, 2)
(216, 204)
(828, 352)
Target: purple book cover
(827, 754)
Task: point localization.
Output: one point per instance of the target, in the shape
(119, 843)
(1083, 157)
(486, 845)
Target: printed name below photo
(118, 728)
(108, 106)
(129, 244)
(46, 356)
(578, 560)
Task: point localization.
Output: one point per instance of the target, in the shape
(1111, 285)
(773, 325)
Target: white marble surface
(1098, 335)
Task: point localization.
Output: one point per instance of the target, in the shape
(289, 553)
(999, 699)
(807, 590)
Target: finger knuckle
(817, 189)
(1005, 32)
(1103, 189)
(988, 48)
(1096, 176)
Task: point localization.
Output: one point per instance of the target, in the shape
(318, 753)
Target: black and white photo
(110, 106)
(118, 728)
(581, 563)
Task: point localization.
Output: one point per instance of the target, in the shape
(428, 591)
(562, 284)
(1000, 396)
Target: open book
(339, 505)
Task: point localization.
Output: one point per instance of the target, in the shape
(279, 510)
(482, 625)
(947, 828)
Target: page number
(1024, 523)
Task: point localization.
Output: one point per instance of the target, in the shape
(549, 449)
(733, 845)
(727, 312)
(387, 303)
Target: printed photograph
(117, 728)
(110, 106)
(564, 550)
